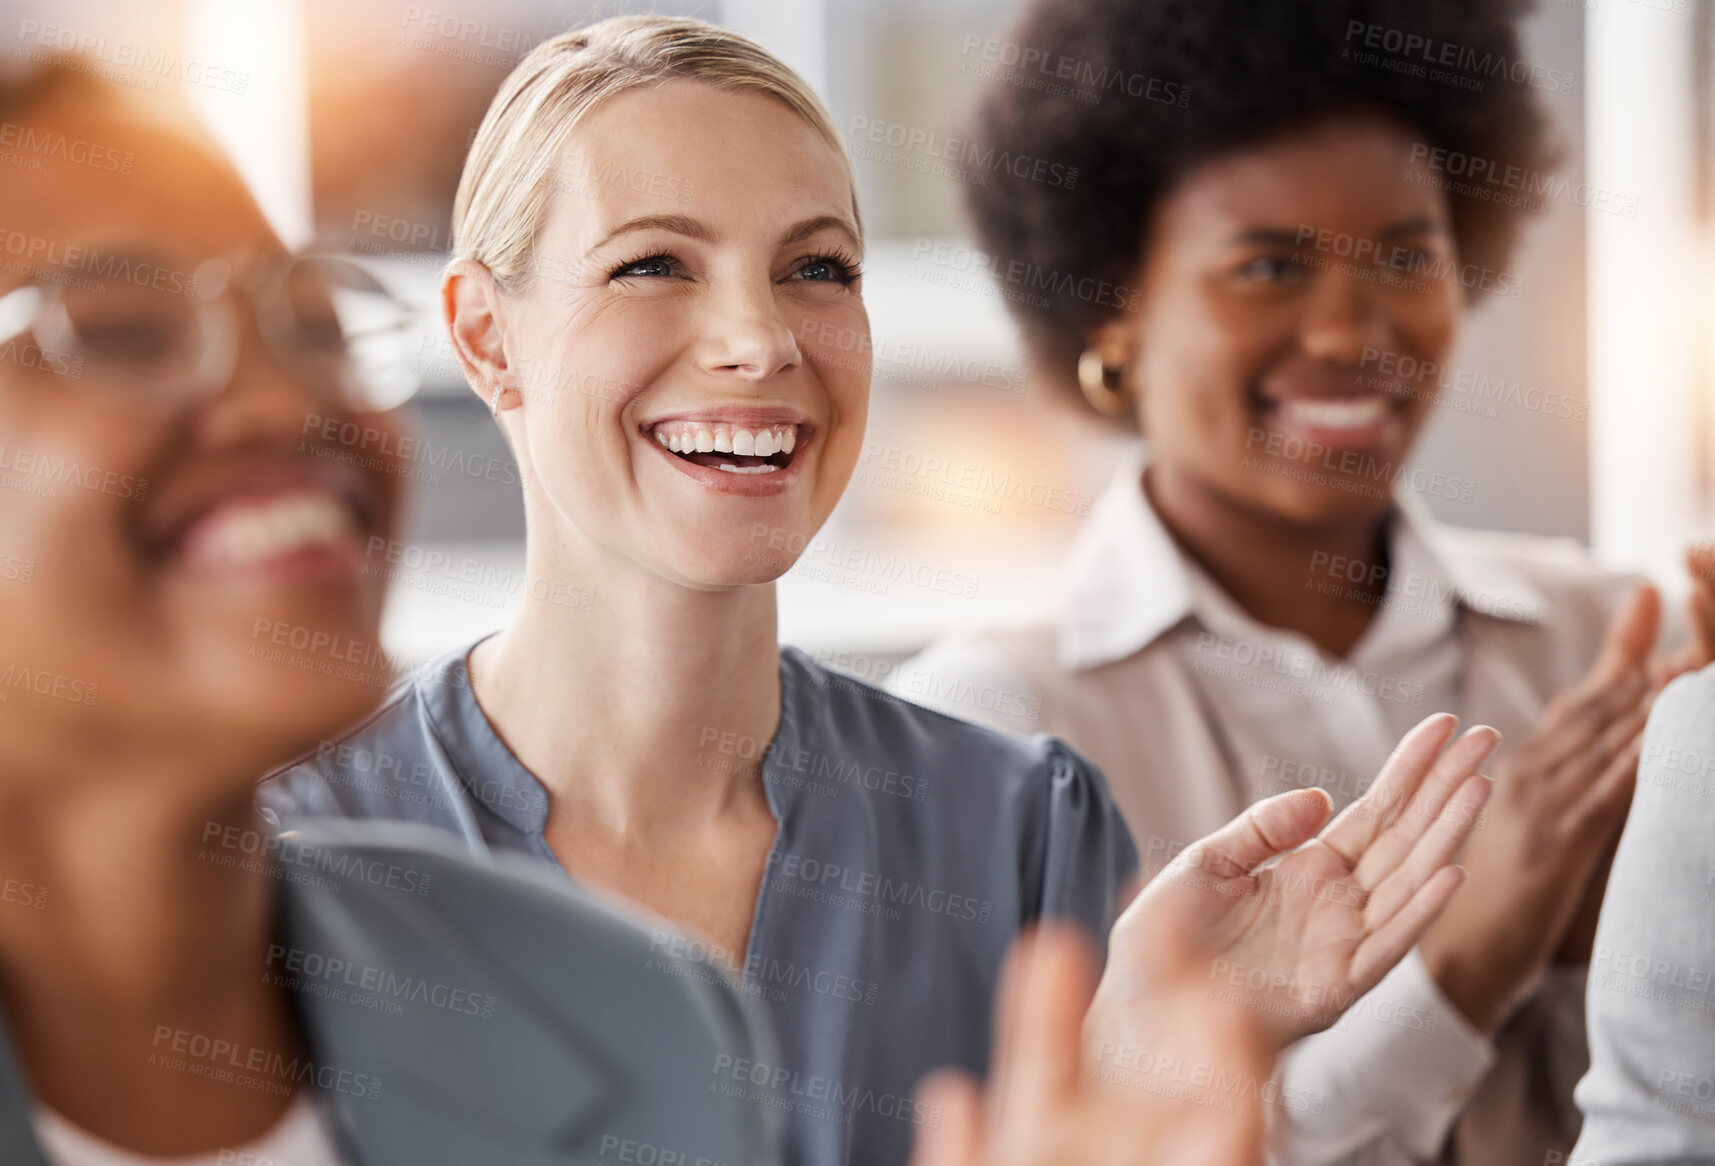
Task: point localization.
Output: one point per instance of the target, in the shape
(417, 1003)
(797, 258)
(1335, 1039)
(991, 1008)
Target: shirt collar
(1128, 583)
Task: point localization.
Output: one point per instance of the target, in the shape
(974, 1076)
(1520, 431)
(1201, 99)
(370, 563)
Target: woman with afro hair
(1260, 601)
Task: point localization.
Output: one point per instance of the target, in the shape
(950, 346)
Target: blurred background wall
(355, 116)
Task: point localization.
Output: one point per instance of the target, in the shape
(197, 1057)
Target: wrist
(1470, 985)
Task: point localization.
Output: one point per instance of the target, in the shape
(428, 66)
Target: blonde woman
(176, 985)
(669, 359)
(179, 989)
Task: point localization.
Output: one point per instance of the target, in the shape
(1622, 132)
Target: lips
(287, 521)
(743, 450)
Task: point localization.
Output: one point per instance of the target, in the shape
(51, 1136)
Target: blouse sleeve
(1087, 858)
(1650, 1093)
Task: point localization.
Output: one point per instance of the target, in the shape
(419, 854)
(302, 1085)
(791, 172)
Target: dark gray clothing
(450, 1014)
(911, 848)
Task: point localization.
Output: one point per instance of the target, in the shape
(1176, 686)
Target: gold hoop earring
(1108, 399)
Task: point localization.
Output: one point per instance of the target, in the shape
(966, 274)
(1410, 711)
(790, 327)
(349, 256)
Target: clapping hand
(1043, 1107)
(1298, 921)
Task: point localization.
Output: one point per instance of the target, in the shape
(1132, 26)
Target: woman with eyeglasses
(1261, 600)
(182, 608)
(177, 986)
(672, 372)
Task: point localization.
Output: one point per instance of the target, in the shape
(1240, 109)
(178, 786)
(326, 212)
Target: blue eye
(651, 267)
(826, 269)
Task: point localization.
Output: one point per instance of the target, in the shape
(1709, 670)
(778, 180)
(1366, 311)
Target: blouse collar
(1128, 583)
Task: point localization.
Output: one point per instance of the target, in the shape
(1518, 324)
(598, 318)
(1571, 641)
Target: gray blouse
(911, 848)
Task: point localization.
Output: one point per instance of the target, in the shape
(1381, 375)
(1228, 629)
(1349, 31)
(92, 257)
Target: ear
(1115, 341)
(471, 307)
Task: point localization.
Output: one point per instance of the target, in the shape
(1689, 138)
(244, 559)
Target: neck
(120, 928)
(1296, 576)
(646, 713)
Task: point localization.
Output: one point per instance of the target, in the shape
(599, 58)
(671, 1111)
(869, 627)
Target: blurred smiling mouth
(252, 532)
(1340, 415)
(283, 525)
(1365, 420)
(730, 448)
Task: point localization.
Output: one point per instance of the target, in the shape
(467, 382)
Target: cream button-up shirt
(1193, 710)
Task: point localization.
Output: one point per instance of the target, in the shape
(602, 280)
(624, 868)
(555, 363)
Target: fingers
(1700, 561)
(1699, 650)
(1387, 945)
(1581, 771)
(1270, 827)
(1578, 728)
(1604, 805)
(1575, 719)
(1629, 639)
(957, 1138)
(1435, 849)
(1045, 989)
(1391, 846)
(1413, 758)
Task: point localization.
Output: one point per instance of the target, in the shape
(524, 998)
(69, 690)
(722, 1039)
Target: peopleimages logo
(1438, 60)
(976, 158)
(59, 147)
(33, 249)
(1409, 260)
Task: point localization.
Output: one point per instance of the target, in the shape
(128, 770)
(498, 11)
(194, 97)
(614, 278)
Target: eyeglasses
(164, 341)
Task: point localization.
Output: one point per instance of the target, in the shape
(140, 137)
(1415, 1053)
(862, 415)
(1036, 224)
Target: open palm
(1297, 921)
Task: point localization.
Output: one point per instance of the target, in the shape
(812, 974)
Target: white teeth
(1326, 413)
(243, 533)
(732, 469)
(685, 437)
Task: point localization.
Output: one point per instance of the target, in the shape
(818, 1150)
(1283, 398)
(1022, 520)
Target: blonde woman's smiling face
(692, 350)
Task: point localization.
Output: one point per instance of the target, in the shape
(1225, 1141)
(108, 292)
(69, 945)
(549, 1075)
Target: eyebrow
(1284, 237)
(820, 223)
(691, 228)
(677, 224)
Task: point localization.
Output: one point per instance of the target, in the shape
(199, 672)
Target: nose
(745, 333)
(1345, 316)
(265, 401)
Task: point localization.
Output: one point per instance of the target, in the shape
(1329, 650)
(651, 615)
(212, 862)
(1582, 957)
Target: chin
(292, 672)
(739, 567)
(724, 547)
(279, 718)
(1319, 504)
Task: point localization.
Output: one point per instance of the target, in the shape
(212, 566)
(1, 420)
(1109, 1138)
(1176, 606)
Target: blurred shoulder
(1684, 713)
(534, 1006)
(401, 891)
(994, 676)
(1560, 568)
(936, 738)
(368, 768)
